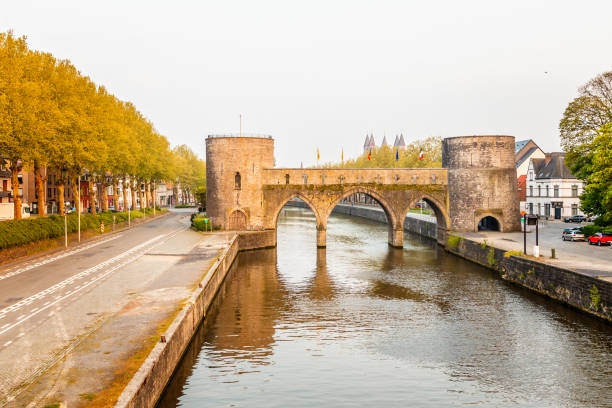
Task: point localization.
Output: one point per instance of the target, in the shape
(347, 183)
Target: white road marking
(99, 277)
(21, 317)
(20, 334)
(33, 310)
(6, 325)
(46, 303)
(7, 343)
(55, 258)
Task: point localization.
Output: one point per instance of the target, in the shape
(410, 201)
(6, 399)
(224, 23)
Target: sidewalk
(91, 364)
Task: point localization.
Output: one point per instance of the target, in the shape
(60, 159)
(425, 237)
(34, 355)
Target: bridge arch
(442, 218)
(302, 197)
(396, 237)
(488, 222)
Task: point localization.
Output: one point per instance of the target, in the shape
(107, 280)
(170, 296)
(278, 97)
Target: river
(364, 324)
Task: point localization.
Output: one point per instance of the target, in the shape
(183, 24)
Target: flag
(318, 155)
(342, 155)
(370, 155)
(397, 155)
(421, 155)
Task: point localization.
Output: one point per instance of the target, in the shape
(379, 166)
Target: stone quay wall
(149, 382)
(414, 225)
(583, 292)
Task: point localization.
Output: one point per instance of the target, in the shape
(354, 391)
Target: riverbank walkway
(73, 330)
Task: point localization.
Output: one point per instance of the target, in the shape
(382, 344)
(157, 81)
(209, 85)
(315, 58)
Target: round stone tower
(482, 183)
(234, 181)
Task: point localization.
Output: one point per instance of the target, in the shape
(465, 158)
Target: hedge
(27, 230)
(592, 229)
(198, 224)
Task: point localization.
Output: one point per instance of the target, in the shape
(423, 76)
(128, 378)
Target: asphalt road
(48, 305)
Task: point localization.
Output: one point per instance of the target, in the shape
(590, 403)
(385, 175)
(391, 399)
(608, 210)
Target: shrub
(491, 256)
(592, 229)
(454, 241)
(512, 253)
(595, 297)
(198, 224)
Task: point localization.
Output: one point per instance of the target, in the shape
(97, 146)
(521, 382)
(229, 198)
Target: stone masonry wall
(482, 181)
(583, 292)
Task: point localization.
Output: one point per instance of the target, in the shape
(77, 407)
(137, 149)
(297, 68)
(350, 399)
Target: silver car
(573, 235)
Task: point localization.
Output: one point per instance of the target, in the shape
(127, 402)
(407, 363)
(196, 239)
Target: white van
(7, 211)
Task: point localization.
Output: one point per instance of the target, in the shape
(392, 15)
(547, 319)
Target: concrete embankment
(581, 291)
(147, 385)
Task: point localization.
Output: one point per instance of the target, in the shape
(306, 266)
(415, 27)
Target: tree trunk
(115, 194)
(124, 191)
(76, 194)
(40, 189)
(139, 184)
(15, 188)
(92, 195)
(133, 194)
(104, 194)
(60, 192)
(148, 193)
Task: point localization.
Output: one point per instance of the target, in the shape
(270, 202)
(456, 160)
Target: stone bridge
(477, 181)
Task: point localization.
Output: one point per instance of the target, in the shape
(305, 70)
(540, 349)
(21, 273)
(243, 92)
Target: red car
(600, 239)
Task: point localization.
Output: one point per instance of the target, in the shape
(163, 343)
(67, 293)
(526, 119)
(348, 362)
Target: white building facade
(552, 191)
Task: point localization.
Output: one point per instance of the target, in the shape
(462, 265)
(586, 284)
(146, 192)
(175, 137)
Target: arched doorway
(488, 223)
(237, 221)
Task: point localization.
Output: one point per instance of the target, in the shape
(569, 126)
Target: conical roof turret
(396, 141)
(384, 142)
(401, 142)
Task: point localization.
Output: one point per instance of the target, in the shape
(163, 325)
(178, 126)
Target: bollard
(536, 251)
(113, 222)
(65, 231)
(552, 253)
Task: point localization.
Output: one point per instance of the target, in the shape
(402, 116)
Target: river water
(363, 324)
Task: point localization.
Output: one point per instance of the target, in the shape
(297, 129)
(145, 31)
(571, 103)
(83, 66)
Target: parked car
(572, 234)
(600, 239)
(575, 218)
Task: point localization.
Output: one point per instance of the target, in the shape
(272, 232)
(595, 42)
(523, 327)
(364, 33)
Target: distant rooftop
(519, 145)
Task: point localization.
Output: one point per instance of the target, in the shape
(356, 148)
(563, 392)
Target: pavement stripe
(55, 258)
(99, 277)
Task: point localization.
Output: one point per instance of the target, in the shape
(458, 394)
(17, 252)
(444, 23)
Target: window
(531, 208)
(547, 191)
(433, 179)
(305, 179)
(547, 210)
(539, 193)
(286, 178)
(556, 188)
(539, 209)
(341, 179)
(531, 192)
(237, 181)
(322, 178)
(574, 209)
(531, 175)
(574, 191)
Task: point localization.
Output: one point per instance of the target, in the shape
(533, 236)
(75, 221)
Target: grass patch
(88, 397)
(491, 256)
(512, 253)
(595, 297)
(454, 241)
(483, 244)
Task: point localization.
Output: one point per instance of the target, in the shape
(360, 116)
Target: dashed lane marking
(8, 343)
(55, 258)
(99, 277)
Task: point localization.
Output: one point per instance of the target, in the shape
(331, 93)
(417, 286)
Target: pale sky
(324, 73)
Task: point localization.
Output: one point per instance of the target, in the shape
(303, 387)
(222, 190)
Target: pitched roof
(519, 145)
(396, 141)
(555, 169)
(384, 142)
(367, 141)
(538, 164)
(526, 156)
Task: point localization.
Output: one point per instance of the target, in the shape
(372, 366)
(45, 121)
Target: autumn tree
(585, 137)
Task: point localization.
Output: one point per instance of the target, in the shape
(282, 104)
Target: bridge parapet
(322, 176)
